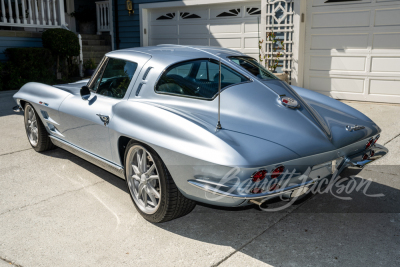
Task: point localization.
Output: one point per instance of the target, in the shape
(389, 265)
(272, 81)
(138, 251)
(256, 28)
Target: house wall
(129, 26)
(9, 39)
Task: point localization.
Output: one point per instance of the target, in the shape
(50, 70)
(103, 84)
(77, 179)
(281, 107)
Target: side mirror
(85, 92)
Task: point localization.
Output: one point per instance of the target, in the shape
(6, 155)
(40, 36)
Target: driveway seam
(392, 139)
(44, 200)
(9, 153)
(250, 241)
(10, 262)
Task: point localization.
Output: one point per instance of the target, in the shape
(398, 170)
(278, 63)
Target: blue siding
(129, 26)
(8, 42)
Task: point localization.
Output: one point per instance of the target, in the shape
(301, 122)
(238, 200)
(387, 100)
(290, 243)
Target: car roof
(179, 51)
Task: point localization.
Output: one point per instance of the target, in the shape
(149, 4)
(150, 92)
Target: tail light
(365, 157)
(372, 153)
(277, 172)
(370, 143)
(258, 176)
(376, 139)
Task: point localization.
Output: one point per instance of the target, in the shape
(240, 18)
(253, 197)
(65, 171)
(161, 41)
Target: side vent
(44, 114)
(51, 127)
(146, 73)
(139, 88)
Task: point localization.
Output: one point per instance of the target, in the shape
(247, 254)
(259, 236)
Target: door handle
(104, 119)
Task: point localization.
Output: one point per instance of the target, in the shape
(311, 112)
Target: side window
(197, 78)
(116, 78)
(94, 82)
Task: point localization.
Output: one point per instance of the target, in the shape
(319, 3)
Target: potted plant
(86, 18)
(89, 66)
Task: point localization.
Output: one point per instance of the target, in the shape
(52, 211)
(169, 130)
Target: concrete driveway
(59, 210)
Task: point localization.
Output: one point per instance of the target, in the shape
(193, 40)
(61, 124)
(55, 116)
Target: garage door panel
(226, 42)
(192, 28)
(339, 41)
(327, 84)
(358, 18)
(250, 42)
(251, 26)
(194, 41)
(390, 40)
(337, 63)
(158, 41)
(157, 30)
(387, 17)
(385, 64)
(216, 28)
(384, 87)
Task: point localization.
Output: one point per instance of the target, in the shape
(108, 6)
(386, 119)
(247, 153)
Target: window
(187, 15)
(230, 13)
(114, 78)
(197, 78)
(252, 66)
(166, 16)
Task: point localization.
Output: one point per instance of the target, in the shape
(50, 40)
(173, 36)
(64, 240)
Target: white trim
(299, 38)
(111, 17)
(144, 9)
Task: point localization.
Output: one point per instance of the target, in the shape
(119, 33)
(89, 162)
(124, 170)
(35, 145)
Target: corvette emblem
(354, 128)
(289, 102)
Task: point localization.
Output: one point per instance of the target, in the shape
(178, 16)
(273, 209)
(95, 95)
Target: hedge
(27, 65)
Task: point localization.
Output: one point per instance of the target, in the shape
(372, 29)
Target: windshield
(252, 65)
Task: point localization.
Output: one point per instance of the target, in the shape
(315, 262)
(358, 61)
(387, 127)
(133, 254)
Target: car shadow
(7, 103)
(323, 229)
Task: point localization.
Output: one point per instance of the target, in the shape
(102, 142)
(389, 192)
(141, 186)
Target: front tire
(35, 130)
(151, 187)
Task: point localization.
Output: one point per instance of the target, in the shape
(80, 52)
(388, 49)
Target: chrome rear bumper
(353, 160)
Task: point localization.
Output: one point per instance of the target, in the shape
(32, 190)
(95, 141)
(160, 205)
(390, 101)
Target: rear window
(197, 78)
(252, 66)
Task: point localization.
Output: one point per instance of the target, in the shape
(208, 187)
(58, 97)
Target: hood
(72, 88)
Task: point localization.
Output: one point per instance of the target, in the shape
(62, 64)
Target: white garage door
(353, 49)
(230, 25)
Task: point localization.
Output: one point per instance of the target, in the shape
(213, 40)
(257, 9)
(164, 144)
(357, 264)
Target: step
(96, 48)
(93, 42)
(94, 54)
(91, 37)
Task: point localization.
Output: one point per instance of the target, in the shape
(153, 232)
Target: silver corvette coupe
(198, 124)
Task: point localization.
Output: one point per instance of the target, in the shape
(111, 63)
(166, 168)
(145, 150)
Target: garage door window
(197, 78)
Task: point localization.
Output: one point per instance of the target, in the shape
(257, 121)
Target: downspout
(117, 41)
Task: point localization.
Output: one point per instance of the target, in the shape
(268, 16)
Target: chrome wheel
(31, 126)
(143, 179)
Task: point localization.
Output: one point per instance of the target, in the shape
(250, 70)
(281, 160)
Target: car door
(85, 123)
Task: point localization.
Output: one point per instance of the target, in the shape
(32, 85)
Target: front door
(85, 122)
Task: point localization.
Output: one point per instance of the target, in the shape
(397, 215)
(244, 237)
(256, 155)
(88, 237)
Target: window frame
(104, 62)
(249, 79)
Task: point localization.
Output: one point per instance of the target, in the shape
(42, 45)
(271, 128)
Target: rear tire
(151, 187)
(37, 135)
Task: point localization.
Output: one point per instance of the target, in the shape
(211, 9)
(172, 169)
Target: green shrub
(61, 42)
(27, 65)
(89, 64)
